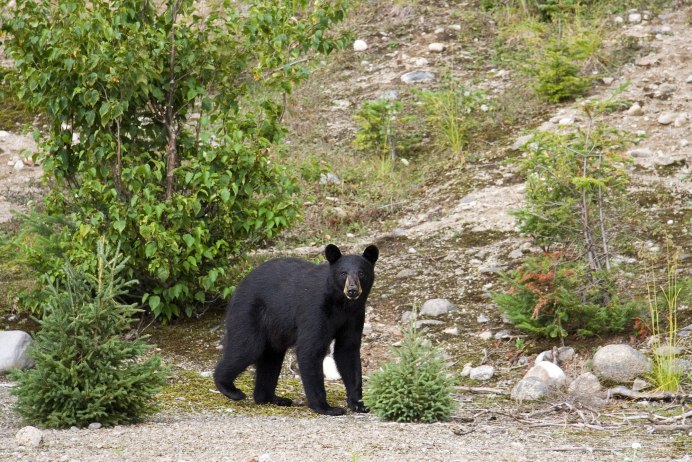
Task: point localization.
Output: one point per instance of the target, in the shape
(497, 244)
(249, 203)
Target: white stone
(466, 370)
(19, 165)
(451, 331)
(640, 385)
(634, 18)
(360, 45)
(418, 77)
(264, 458)
(549, 373)
(680, 120)
(566, 121)
(635, 110)
(666, 118)
(482, 319)
(436, 307)
(586, 384)
(484, 372)
(486, 335)
(29, 436)
(437, 47)
(14, 354)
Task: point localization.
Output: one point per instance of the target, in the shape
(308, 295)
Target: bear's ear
(332, 253)
(371, 253)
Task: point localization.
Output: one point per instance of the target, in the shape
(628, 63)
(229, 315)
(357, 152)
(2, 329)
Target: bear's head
(352, 274)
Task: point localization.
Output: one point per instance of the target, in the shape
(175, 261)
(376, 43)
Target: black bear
(286, 302)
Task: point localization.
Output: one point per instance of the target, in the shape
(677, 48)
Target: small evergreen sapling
(85, 371)
(414, 387)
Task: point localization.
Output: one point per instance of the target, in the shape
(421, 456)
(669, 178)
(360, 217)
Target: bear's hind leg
(231, 365)
(266, 378)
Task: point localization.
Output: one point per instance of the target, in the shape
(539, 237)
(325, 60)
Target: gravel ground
(490, 436)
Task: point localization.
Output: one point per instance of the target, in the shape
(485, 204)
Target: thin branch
(171, 146)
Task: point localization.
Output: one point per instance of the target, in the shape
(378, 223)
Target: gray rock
(521, 141)
(329, 178)
(418, 77)
(634, 18)
(29, 436)
(683, 365)
(405, 273)
(548, 373)
(641, 152)
(265, 458)
(620, 363)
(665, 91)
(668, 350)
(503, 334)
(437, 47)
(585, 385)
(482, 318)
(94, 425)
(466, 370)
(427, 322)
(529, 389)
(452, 331)
(639, 385)
(517, 253)
(680, 120)
(406, 317)
(484, 372)
(685, 331)
(564, 354)
(436, 307)
(14, 350)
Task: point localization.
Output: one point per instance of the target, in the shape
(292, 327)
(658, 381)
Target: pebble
(94, 426)
(666, 118)
(680, 120)
(466, 370)
(29, 436)
(634, 18)
(360, 45)
(437, 47)
(482, 318)
(635, 110)
(418, 77)
(451, 331)
(484, 372)
(486, 335)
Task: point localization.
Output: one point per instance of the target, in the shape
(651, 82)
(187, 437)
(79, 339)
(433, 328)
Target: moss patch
(188, 391)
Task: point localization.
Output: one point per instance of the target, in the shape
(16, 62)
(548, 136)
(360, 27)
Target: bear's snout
(352, 288)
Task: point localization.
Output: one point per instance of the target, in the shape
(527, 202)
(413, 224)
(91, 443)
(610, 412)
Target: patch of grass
(188, 391)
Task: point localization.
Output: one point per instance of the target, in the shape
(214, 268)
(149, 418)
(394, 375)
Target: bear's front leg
(347, 358)
(312, 375)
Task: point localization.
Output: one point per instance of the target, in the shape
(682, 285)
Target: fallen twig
(484, 390)
(669, 428)
(625, 392)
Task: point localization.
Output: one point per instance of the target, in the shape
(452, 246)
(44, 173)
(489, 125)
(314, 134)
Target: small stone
(503, 334)
(436, 307)
(668, 350)
(420, 61)
(640, 384)
(566, 121)
(5, 134)
(618, 20)
(484, 372)
(19, 165)
(607, 80)
(437, 47)
(360, 45)
(418, 77)
(405, 273)
(683, 143)
(206, 374)
(521, 141)
(641, 152)
(466, 370)
(29, 436)
(406, 317)
(427, 322)
(94, 426)
(455, 27)
(680, 120)
(634, 18)
(517, 253)
(329, 178)
(689, 79)
(264, 458)
(529, 389)
(666, 118)
(482, 319)
(635, 110)
(411, 250)
(486, 335)
(451, 331)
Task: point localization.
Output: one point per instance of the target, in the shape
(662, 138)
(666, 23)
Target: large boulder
(14, 350)
(550, 374)
(529, 389)
(620, 363)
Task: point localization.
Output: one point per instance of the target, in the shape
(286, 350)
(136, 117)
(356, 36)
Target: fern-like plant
(85, 370)
(414, 387)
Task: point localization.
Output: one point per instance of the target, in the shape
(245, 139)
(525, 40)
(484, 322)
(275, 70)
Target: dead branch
(669, 428)
(483, 390)
(624, 392)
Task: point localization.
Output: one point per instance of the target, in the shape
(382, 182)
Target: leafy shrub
(549, 296)
(414, 387)
(162, 123)
(84, 370)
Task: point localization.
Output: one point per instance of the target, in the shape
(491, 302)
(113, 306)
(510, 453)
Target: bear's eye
(361, 274)
(342, 274)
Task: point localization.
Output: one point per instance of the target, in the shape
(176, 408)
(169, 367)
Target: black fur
(286, 302)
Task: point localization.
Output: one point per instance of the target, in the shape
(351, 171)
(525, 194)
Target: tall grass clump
(414, 386)
(85, 371)
(663, 309)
